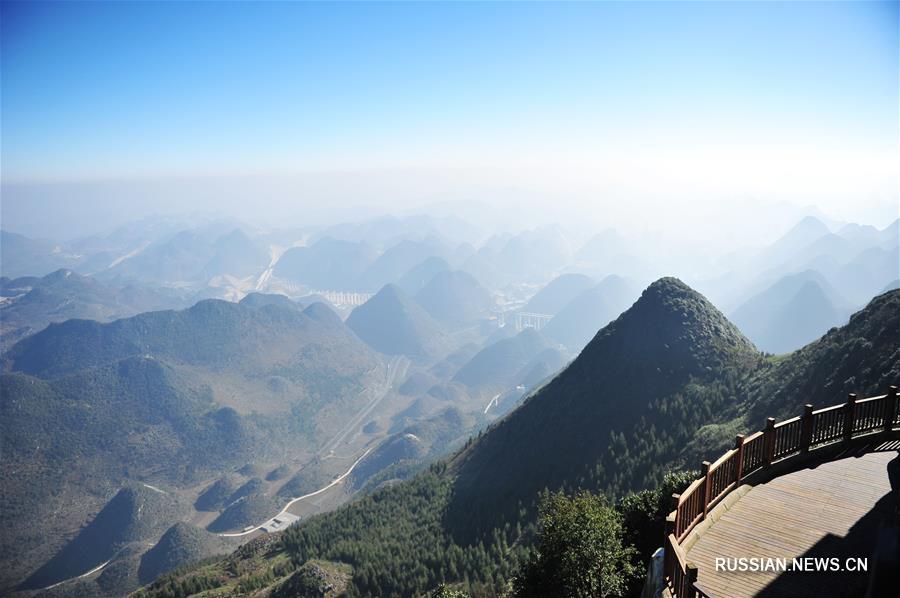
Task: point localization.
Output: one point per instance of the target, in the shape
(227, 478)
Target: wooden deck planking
(798, 514)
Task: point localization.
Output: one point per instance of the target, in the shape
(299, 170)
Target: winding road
(293, 501)
(91, 572)
(492, 402)
(396, 370)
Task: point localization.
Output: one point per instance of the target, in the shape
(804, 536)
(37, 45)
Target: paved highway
(293, 501)
(396, 370)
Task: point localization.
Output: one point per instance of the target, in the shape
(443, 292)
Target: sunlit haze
(648, 115)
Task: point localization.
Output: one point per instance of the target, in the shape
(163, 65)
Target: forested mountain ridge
(212, 333)
(671, 346)
(172, 397)
(862, 356)
(688, 365)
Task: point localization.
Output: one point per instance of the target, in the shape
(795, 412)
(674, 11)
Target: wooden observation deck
(814, 486)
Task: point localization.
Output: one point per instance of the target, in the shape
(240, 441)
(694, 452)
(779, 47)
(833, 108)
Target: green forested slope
(170, 397)
(667, 364)
(614, 420)
(862, 357)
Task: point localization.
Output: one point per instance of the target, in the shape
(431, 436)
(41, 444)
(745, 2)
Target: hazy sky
(585, 107)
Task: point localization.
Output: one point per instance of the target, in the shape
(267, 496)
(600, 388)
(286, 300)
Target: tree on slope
(580, 551)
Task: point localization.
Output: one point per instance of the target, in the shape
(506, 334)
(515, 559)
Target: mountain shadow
(135, 513)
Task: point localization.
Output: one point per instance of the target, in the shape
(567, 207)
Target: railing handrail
(875, 398)
(689, 490)
(830, 408)
(780, 442)
(788, 421)
(725, 457)
(753, 436)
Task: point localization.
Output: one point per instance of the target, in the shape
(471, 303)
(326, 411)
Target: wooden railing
(777, 443)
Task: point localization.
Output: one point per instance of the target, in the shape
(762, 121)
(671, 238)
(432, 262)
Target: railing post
(739, 468)
(668, 560)
(668, 548)
(849, 414)
(806, 428)
(704, 468)
(769, 440)
(689, 581)
(890, 408)
(675, 498)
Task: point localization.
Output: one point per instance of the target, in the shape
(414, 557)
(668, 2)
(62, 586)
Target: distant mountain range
(806, 232)
(421, 274)
(589, 311)
(189, 256)
(558, 293)
(392, 323)
(794, 311)
(609, 252)
(29, 304)
(508, 362)
(856, 261)
(225, 259)
(455, 298)
(398, 260)
(328, 264)
(22, 256)
(235, 254)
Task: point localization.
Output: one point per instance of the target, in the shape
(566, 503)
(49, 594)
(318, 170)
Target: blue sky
(94, 91)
